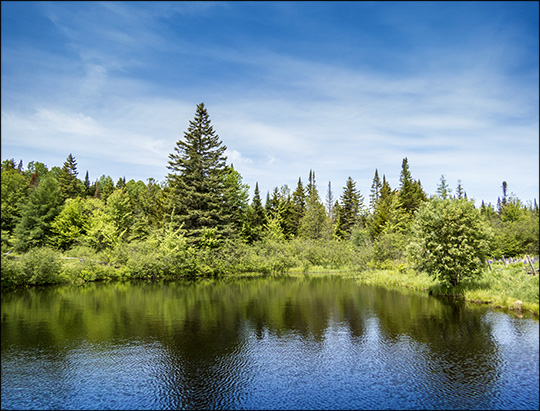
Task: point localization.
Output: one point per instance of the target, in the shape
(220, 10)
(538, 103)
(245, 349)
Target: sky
(340, 88)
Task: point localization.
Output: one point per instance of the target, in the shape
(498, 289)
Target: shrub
(11, 272)
(450, 240)
(42, 266)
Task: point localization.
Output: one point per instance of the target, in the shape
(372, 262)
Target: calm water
(316, 342)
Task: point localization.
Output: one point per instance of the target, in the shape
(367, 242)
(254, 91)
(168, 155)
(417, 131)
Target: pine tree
(298, 206)
(376, 187)
(460, 192)
(121, 183)
(68, 183)
(37, 215)
(442, 189)
(86, 184)
(196, 180)
(381, 214)
(330, 202)
(315, 224)
(258, 209)
(273, 203)
(351, 201)
(411, 194)
(256, 218)
(235, 200)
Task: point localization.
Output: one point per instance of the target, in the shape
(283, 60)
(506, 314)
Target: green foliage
(14, 194)
(41, 266)
(104, 187)
(37, 215)
(199, 197)
(443, 191)
(255, 219)
(70, 225)
(101, 230)
(516, 237)
(411, 193)
(450, 240)
(315, 224)
(69, 185)
(351, 203)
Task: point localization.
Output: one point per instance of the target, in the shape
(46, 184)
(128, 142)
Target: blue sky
(342, 88)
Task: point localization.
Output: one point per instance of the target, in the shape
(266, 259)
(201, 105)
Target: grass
(503, 287)
(500, 288)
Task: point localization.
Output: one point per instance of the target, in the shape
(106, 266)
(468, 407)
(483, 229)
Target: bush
(42, 266)
(11, 272)
(450, 240)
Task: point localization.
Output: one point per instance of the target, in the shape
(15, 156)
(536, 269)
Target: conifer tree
(381, 213)
(315, 224)
(411, 194)
(330, 202)
(68, 183)
(86, 184)
(258, 210)
(256, 218)
(37, 215)
(460, 193)
(351, 201)
(298, 206)
(442, 189)
(376, 187)
(196, 180)
(273, 203)
(235, 200)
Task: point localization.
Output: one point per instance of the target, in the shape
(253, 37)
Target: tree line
(204, 204)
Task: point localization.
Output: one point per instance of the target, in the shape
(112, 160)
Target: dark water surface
(313, 342)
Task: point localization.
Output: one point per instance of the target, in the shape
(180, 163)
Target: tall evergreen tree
(382, 211)
(330, 202)
(86, 184)
(298, 207)
(256, 218)
(37, 215)
(196, 180)
(460, 193)
(351, 201)
(376, 187)
(442, 189)
(259, 214)
(315, 223)
(68, 182)
(235, 200)
(411, 194)
(273, 203)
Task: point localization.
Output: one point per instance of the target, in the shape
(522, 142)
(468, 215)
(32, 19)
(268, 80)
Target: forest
(58, 227)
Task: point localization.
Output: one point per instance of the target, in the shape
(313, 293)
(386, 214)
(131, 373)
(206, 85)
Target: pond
(298, 342)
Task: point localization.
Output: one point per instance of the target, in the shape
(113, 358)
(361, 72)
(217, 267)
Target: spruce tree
(460, 193)
(68, 183)
(86, 184)
(351, 201)
(37, 215)
(256, 220)
(298, 206)
(376, 187)
(330, 202)
(442, 189)
(381, 212)
(315, 224)
(196, 181)
(411, 194)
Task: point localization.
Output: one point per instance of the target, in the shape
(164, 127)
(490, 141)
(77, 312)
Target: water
(313, 342)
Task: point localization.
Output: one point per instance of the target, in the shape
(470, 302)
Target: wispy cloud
(120, 88)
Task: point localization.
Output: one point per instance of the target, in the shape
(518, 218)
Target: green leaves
(450, 240)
